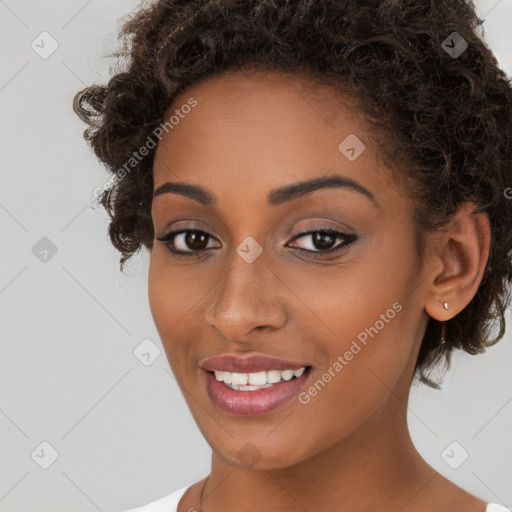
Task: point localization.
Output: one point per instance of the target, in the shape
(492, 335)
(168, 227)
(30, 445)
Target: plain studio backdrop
(88, 422)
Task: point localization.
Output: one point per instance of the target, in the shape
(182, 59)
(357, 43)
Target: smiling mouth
(254, 399)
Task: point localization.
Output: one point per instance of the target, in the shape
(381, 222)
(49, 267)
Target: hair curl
(442, 123)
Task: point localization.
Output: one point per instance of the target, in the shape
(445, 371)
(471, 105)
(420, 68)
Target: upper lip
(255, 363)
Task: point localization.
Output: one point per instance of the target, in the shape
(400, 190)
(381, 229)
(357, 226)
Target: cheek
(170, 299)
(353, 387)
(168, 303)
(157, 284)
(174, 306)
(366, 342)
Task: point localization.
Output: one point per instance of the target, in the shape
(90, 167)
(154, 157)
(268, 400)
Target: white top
(170, 502)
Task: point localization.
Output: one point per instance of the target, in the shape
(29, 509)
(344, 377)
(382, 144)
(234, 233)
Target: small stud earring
(443, 327)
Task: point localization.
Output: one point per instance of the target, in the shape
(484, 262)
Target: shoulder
(494, 507)
(168, 503)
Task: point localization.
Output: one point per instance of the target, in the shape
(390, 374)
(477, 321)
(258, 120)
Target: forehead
(237, 89)
(262, 129)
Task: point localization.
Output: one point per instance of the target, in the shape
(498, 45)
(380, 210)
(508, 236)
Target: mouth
(254, 393)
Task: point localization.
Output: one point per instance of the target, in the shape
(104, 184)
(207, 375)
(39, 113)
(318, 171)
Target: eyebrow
(275, 197)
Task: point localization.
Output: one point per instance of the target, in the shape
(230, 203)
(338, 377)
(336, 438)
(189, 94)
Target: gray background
(70, 324)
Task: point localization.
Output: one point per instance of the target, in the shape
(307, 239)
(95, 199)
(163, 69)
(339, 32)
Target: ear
(459, 253)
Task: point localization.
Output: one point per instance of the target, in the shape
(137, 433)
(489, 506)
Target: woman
(322, 187)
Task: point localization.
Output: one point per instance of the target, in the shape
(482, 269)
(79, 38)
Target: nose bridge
(245, 298)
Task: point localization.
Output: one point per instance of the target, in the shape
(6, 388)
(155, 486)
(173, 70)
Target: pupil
(320, 240)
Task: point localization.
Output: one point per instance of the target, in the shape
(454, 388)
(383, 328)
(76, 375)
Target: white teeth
(256, 380)
(287, 374)
(239, 379)
(273, 376)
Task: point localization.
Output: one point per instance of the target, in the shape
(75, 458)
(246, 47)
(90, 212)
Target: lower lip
(251, 403)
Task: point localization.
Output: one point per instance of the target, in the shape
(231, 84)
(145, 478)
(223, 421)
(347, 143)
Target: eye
(193, 239)
(323, 240)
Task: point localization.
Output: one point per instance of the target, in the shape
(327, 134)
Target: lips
(251, 364)
(237, 398)
(250, 402)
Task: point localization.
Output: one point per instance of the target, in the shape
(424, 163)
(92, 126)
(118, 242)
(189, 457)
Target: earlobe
(461, 252)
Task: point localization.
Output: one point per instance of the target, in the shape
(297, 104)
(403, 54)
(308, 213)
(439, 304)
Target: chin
(261, 453)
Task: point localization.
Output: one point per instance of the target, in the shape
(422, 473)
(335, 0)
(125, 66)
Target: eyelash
(168, 238)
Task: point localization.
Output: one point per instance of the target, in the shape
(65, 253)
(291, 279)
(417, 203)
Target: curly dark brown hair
(442, 122)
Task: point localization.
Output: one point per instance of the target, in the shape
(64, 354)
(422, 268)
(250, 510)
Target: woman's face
(252, 286)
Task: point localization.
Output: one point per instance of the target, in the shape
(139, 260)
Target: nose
(246, 299)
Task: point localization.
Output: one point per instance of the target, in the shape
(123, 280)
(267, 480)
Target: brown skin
(349, 448)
